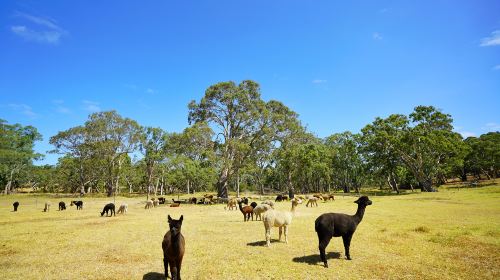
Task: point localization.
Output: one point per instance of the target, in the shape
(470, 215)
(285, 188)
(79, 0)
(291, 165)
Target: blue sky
(339, 64)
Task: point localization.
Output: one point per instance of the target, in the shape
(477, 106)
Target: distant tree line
(236, 141)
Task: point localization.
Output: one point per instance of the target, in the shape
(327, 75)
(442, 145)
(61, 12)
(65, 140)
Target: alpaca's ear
(169, 219)
(181, 218)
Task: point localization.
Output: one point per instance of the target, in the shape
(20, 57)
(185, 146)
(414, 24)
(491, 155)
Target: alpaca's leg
(268, 237)
(286, 234)
(323, 243)
(281, 232)
(179, 263)
(173, 270)
(347, 244)
(165, 264)
(252, 215)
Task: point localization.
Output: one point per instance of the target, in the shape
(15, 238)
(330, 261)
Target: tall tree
(153, 146)
(242, 121)
(424, 142)
(16, 151)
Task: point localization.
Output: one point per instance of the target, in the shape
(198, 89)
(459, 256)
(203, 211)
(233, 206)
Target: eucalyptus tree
(243, 123)
(16, 152)
(348, 165)
(484, 155)
(192, 155)
(75, 145)
(153, 145)
(423, 142)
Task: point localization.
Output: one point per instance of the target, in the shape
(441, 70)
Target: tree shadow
(315, 259)
(262, 243)
(153, 276)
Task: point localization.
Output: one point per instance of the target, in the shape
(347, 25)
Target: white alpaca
(259, 209)
(123, 208)
(281, 219)
(269, 202)
(149, 204)
(156, 203)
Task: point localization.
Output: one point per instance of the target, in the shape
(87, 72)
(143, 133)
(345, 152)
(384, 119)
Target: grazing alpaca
(279, 198)
(173, 248)
(269, 202)
(15, 204)
(336, 224)
(47, 206)
(193, 200)
(247, 211)
(79, 204)
(313, 201)
(161, 200)
(281, 219)
(259, 209)
(231, 204)
(149, 204)
(62, 206)
(110, 207)
(123, 209)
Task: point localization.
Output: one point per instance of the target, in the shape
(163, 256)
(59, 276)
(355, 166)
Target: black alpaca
(62, 206)
(79, 204)
(108, 207)
(176, 201)
(161, 200)
(173, 248)
(15, 204)
(336, 224)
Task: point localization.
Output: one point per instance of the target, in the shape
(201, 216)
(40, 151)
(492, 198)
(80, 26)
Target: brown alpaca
(247, 211)
(232, 204)
(173, 246)
(312, 201)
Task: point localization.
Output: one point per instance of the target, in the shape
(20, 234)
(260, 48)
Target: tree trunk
(188, 186)
(290, 186)
(238, 184)
(426, 186)
(222, 183)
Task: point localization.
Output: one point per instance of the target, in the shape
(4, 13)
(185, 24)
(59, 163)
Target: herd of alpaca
(327, 225)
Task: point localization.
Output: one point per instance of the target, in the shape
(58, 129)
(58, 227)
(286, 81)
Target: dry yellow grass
(453, 234)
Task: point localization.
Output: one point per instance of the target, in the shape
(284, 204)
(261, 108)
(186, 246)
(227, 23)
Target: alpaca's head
(175, 225)
(363, 201)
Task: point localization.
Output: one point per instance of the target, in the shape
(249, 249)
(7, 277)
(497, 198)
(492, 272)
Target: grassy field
(452, 234)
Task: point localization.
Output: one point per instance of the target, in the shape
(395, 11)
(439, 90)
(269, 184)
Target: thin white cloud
(23, 109)
(491, 126)
(383, 10)
(151, 91)
(466, 134)
(59, 106)
(38, 29)
(496, 67)
(91, 106)
(377, 36)
(494, 40)
(319, 81)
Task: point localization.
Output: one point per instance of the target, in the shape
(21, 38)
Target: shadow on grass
(262, 243)
(316, 259)
(153, 276)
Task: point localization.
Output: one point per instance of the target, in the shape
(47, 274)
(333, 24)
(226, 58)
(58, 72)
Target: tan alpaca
(149, 204)
(281, 219)
(259, 209)
(232, 204)
(312, 201)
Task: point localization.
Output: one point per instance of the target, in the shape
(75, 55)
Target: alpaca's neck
(241, 208)
(359, 213)
(175, 239)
